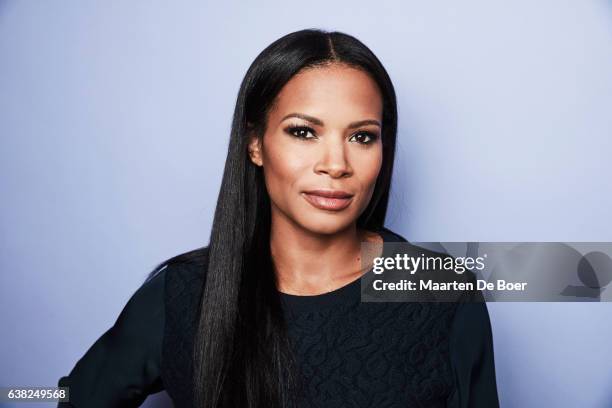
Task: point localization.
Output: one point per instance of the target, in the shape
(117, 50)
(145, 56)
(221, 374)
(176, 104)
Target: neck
(310, 263)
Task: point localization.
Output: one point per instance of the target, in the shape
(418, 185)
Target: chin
(326, 224)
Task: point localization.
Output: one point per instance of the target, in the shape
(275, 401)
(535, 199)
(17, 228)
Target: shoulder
(438, 265)
(472, 357)
(390, 236)
(472, 322)
(178, 281)
(184, 267)
(184, 277)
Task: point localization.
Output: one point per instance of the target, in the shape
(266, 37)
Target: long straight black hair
(242, 355)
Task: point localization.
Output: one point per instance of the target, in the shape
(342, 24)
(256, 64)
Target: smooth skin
(323, 132)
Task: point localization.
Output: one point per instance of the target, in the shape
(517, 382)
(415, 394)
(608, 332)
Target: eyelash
(295, 128)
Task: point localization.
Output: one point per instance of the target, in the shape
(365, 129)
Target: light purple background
(114, 122)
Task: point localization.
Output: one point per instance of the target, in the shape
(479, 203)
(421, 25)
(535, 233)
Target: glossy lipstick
(331, 200)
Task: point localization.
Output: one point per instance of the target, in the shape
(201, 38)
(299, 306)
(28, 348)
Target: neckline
(341, 295)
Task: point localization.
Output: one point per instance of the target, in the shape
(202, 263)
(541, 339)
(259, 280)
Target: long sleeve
(471, 348)
(123, 366)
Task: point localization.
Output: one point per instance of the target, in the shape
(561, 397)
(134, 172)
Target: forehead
(332, 92)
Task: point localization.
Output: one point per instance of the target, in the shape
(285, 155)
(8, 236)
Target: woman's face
(321, 152)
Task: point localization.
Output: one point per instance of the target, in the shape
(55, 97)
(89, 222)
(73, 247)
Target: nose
(333, 160)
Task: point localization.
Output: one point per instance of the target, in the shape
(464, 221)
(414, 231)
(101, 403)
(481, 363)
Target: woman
(269, 314)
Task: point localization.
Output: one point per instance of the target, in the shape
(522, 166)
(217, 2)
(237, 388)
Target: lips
(331, 200)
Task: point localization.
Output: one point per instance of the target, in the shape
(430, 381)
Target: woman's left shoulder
(390, 236)
(473, 358)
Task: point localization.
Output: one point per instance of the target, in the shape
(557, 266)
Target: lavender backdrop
(114, 121)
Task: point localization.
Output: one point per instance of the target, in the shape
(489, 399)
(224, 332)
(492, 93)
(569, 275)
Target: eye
(301, 132)
(363, 137)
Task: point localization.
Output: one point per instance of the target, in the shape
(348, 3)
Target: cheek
(284, 163)
(367, 167)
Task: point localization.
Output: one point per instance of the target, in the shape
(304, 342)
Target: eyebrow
(319, 122)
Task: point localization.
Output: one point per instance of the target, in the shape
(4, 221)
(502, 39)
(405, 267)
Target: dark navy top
(350, 353)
